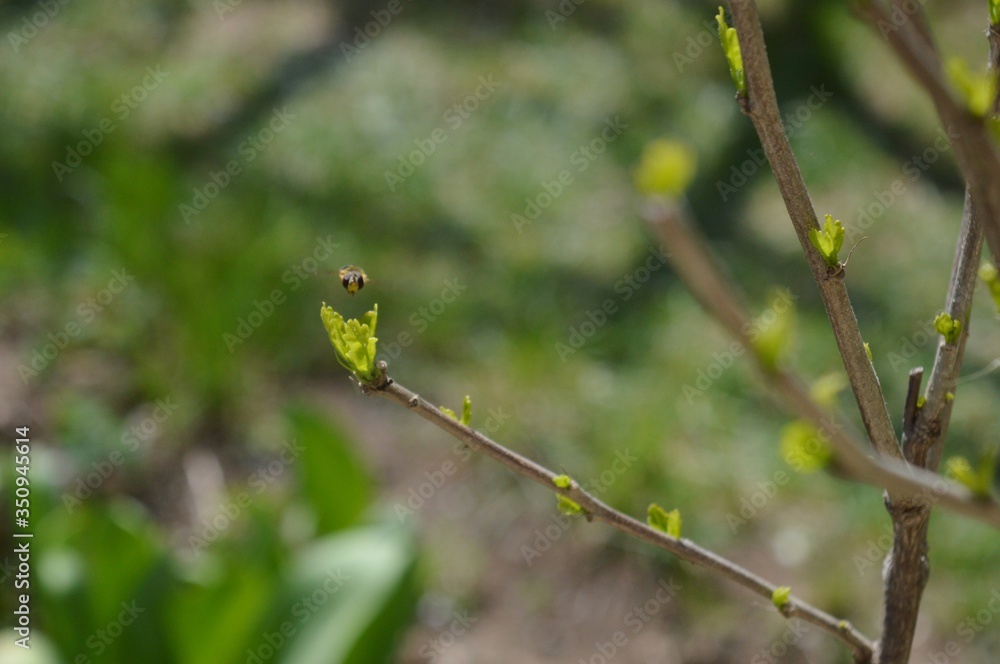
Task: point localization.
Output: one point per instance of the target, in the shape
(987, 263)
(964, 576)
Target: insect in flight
(353, 278)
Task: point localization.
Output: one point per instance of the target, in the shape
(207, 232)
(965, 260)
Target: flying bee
(353, 278)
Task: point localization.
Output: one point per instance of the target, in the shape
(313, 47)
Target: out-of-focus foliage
(178, 182)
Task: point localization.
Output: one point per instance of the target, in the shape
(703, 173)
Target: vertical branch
(761, 105)
(908, 566)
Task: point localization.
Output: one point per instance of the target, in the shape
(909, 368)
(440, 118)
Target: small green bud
(948, 327)
(562, 481)
(731, 47)
(664, 521)
(828, 240)
(781, 596)
(567, 506)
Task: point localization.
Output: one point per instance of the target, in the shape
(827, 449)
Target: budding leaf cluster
(828, 240)
(948, 327)
(664, 521)
(353, 341)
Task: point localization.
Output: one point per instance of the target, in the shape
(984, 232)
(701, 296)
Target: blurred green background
(177, 182)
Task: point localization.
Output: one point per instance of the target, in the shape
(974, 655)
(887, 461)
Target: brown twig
(596, 510)
(761, 105)
(974, 148)
(692, 261)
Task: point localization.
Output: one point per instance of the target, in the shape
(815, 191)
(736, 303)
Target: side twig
(690, 257)
(595, 510)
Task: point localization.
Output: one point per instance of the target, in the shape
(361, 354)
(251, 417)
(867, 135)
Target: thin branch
(908, 567)
(761, 105)
(690, 258)
(596, 510)
(974, 148)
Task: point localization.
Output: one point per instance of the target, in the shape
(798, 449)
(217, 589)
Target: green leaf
(828, 240)
(664, 521)
(731, 47)
(825, 389)
(868, 352)
(449, 412)
(353, 341)
(334, 481)
(467, 411)
(948, 327)
(978, 90)
(562, 481)
(980, 480)
(349, 598)
(780, 596)
(802, 447)
(988, 273)
(994, 12)
(667, 167)
(775, 329)
(567, 506)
